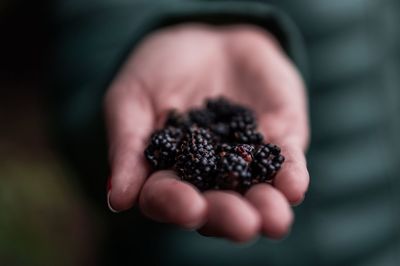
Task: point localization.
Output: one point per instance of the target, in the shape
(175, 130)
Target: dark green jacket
(350, 216)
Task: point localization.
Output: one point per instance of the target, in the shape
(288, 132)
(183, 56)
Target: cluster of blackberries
(216, 147)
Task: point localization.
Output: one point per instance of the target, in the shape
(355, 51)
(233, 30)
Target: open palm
(179, 67)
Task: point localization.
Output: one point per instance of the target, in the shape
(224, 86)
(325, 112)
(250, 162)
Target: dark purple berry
(248, 135)
(224, 109)
(162, 150)
(215, 147)
(197, 160)
(267, 161)
(242, 121)
(176, 119)
(234, 172)
(221, 130)
(201, 117)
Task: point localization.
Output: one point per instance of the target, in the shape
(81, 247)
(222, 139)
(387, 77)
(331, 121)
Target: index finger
(129, 120)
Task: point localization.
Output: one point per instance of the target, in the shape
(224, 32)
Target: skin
(179, 67)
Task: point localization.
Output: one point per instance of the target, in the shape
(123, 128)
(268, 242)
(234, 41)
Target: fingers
(282, 127)
(276, 214)
(293, 178)
(230, 216)
(129, 120)
(166, 199)
(284, 121)
(292, 136)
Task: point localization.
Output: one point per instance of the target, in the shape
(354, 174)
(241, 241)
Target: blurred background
(47, 220)
(44, 218)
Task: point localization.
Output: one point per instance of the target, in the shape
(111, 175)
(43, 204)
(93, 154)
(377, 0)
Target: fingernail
(108, 195)
(109, 204)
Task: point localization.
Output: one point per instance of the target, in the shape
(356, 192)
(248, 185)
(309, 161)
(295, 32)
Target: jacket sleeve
(93, 37)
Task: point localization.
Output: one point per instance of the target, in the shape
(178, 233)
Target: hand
(179, 67)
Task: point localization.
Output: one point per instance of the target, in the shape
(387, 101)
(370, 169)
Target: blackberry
(201, 117)
(197, 160)
(215, 147)
(248, 135)
(176, 119)
(162, 150)
(223, 148)
(233, 123)
(221, 130)
(243, 120)
(242, 128)
(267, 162)
(223, 109)
(234, 172)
